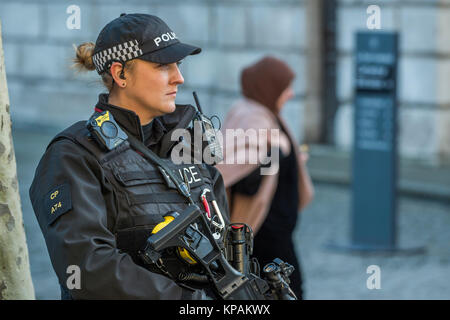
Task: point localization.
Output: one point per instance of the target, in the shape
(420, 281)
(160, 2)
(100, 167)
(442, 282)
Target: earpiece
(122, 76)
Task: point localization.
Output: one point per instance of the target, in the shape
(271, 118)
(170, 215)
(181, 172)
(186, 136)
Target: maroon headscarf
(265, 80)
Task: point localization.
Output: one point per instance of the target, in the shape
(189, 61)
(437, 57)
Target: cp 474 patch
(57, 202)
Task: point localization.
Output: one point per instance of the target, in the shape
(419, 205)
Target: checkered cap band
(123, 52)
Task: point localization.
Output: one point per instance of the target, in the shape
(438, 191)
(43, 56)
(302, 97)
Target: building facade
(315, 37)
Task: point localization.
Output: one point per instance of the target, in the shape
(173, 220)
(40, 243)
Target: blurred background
(317, 39)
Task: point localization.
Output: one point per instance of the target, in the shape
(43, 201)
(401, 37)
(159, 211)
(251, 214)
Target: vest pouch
(135, 178)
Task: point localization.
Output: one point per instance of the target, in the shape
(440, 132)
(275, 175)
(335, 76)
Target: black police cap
(140, 36)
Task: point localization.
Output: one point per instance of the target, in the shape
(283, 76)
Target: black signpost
(374, 165)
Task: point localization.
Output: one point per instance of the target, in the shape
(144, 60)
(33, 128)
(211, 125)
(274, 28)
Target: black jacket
(79, 205)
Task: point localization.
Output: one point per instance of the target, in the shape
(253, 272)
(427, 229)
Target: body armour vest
(143, 194)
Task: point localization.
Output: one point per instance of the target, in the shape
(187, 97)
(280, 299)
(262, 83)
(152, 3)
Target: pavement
(417, 270)
(423, 221)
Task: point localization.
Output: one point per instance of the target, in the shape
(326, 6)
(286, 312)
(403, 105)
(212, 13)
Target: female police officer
(97, 199)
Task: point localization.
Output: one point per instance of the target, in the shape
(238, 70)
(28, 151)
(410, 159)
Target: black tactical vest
(143, 194)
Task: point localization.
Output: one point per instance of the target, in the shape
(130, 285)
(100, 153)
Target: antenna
(197, 102)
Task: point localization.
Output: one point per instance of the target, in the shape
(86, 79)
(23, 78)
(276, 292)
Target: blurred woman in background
(269, 204)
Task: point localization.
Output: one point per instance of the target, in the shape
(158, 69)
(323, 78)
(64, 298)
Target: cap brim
(171, 54)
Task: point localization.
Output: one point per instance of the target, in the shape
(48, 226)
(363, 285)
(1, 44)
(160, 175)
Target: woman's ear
(117, 73)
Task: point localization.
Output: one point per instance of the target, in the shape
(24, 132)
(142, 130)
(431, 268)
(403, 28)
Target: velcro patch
(57, 202)
(193, 176)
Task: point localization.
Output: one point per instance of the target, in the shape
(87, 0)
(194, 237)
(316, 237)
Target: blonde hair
(83, 63)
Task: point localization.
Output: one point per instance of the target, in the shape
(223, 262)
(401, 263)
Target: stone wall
(46, 93)
(424, 73)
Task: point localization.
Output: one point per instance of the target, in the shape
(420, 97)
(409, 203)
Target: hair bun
(83, 59)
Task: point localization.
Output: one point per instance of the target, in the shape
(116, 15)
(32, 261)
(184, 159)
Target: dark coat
(86, 200)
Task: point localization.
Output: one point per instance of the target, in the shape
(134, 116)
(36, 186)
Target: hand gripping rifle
(189, 233)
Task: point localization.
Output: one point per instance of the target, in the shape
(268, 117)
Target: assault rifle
(235, 278)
